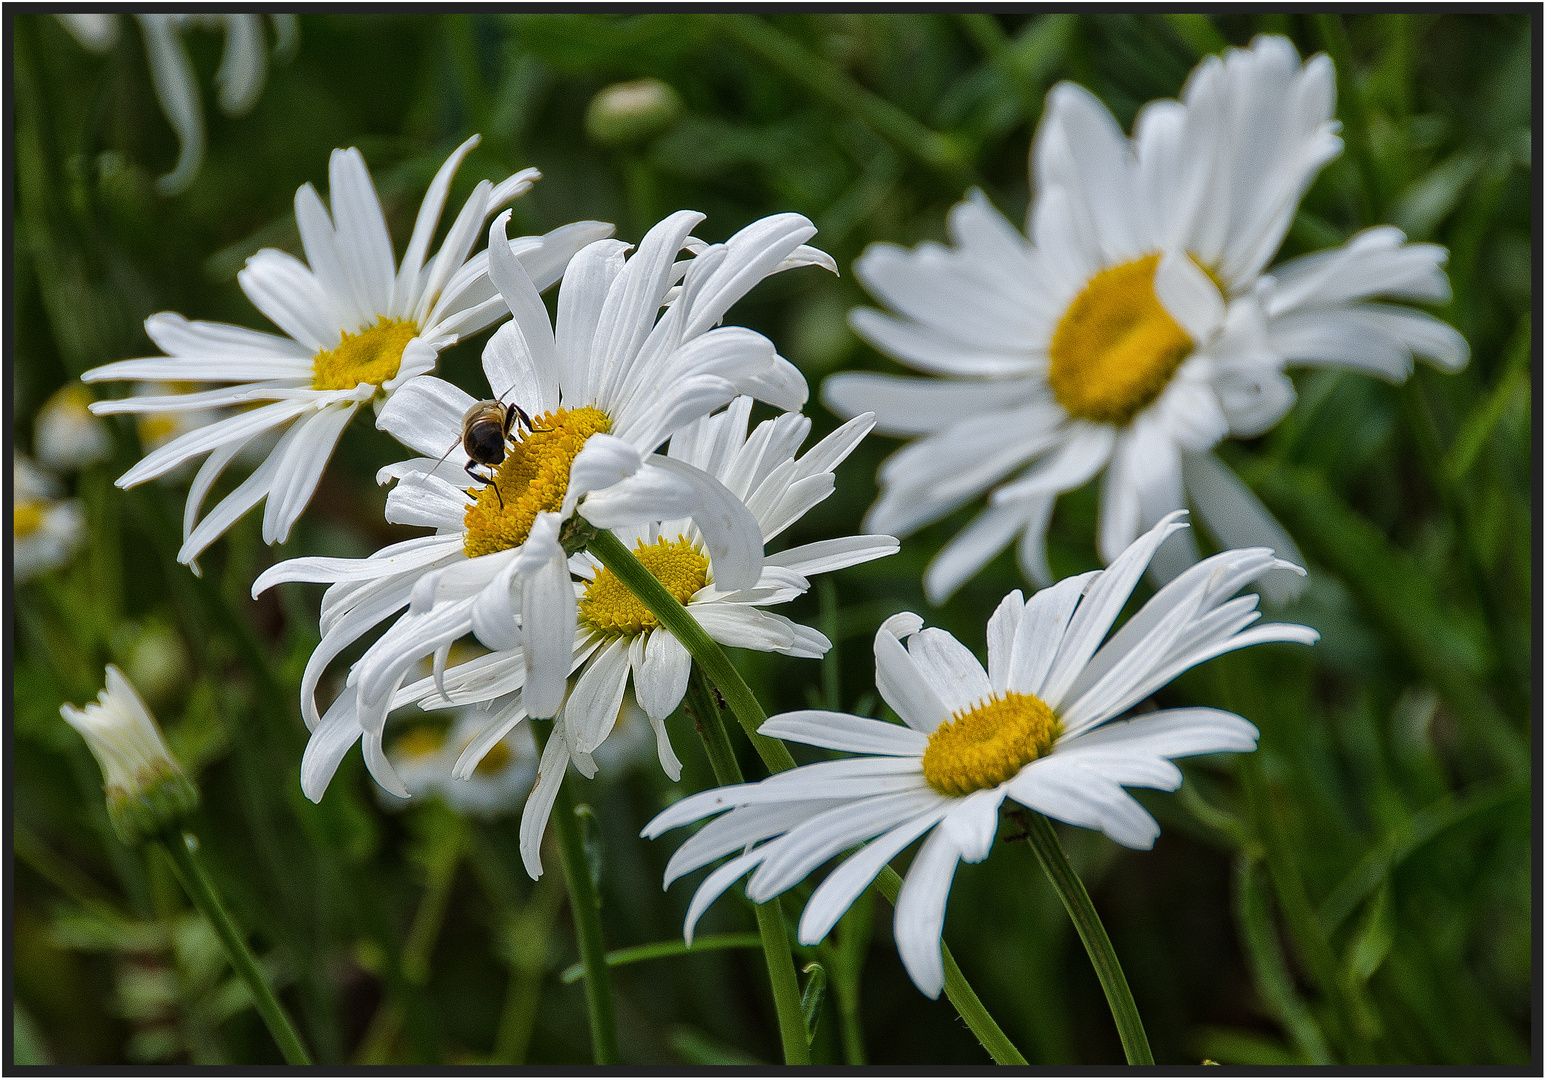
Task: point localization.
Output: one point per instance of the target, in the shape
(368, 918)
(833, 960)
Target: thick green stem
(770, 916)
(616, 557)
(1049, 852)
(202, 892)
(775, 755)
(585, 906)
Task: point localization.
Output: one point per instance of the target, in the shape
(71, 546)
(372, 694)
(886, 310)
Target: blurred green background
(1356, 892)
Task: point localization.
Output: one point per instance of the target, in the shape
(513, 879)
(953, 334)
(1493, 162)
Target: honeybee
(486, 428)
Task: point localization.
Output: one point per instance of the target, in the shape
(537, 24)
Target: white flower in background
(356, 327)
(425, 755)
(65, 435)
(618, 643)
(147, 792)
(1137, 328)
(608, 385)
(243, 68)
(1034, 727)
(45, 529)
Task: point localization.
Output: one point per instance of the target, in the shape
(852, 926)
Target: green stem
(585, 906)
(1349, 1017)
(202, 892)
(1049, 852)
(770, 916)
(419, 947)
(775, 755)
(960, 992)
(616, 557)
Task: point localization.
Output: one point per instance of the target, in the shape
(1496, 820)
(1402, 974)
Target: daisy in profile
(356, 326)
(1035, 727)
(637, 354)
(1137, 327)
(46, 530)
(243, 69)
(619, 646)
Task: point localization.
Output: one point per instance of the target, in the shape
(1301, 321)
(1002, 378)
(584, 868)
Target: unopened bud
(631, 112)
(147, 792)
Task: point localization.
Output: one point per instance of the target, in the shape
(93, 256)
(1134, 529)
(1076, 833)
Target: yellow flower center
(985, 745)
(534, 477)
(371, 356)
(156, 428)
(1116, 346)
(422, 742)
(26, 518)
(494, 761)
(610, 609)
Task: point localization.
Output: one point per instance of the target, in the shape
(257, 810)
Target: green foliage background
(1357, 892)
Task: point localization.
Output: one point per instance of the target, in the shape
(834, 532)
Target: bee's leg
(486, 481)
(516, 410)
(494, 483)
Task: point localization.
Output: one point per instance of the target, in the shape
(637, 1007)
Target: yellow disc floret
(494, 761)
(1116, 346)
(422, 741)
(609, 608)
(26, 518)
(534, 477)
(985, 745)
(371, 356)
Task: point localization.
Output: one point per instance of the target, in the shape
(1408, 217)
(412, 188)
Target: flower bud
(631, 112)
(66, 436)
(147, 793)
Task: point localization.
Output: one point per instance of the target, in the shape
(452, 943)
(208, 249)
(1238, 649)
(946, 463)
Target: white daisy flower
(1136, 328)
(243, 69)
(65, 436)
(424, 757)
(45, 529)
(356, 327)
(613, 380)
(618, 643)
(1034, 727)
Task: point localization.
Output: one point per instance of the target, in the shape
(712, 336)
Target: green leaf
(811, 997)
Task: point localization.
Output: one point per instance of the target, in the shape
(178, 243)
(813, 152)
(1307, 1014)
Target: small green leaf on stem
(811, 996)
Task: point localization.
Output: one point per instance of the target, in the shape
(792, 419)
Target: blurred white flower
(45, 529)
(633, 358)
(243, 68)
(1035, 727)
(425, 758)
(65, 435)
(619, 645)
(147, 793)
(356, 327)
(1137, 328)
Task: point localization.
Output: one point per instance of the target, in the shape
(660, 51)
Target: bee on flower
(1136, 327)
(356, 327)
(1038, 726)
(620, 649)
(636, 355)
